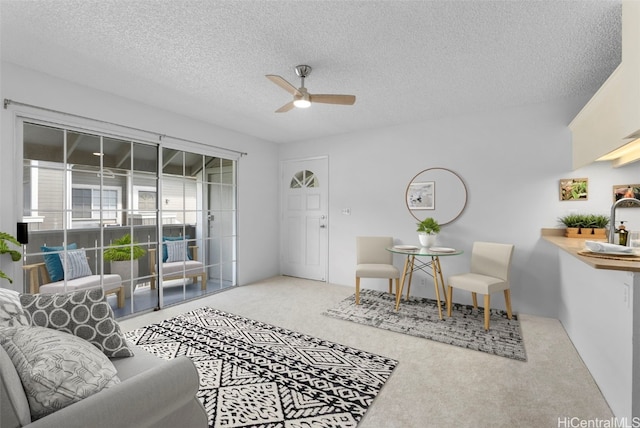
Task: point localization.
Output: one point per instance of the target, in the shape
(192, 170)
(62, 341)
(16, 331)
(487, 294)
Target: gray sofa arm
(163, 396)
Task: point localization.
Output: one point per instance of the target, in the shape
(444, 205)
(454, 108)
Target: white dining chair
(373, 261)
(490, 265)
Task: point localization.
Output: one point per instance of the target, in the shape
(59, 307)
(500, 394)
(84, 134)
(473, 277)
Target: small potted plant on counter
(589, 226)
(427, 231)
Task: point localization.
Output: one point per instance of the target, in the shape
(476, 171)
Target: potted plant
(119, 254)
(585, 225)
(427, 231)
(596, 225)
(5, 240)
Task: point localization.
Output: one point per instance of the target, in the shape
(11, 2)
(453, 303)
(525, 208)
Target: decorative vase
(427, 239)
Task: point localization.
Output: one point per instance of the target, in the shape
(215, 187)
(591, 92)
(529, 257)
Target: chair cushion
(176, 251)
(189, 267)
(76, 265)
(165, 253)
(84, 313)
(377, 271)
(109, 282)
(477, 283)
(56, 368)
(52, 261)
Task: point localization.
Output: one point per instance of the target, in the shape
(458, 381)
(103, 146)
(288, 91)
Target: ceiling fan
(301, 97)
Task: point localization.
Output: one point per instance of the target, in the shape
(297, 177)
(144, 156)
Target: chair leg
(507, 301)
(152, 280)
(449, 297)
(357, 290)
(120, 297)
(390, 285)
(475, 300)
(203, 281)
(487, 311)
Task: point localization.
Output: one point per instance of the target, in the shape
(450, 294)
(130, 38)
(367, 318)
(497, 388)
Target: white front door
(304, 218)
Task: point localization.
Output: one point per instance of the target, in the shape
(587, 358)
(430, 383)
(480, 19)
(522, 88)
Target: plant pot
(427, 240)
(126, 272)
(573, 232)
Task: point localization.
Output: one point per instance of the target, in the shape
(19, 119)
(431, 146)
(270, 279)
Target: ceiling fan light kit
(301, 97)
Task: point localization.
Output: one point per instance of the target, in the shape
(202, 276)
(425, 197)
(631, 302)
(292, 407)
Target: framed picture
(422, 196)
(626, 191)
(574, 189)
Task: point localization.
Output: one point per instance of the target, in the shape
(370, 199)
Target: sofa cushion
(11, 312)
(56, 368)
(15, 407)
(108, 282)
(52, 261)
(83, 313)
(76, 265)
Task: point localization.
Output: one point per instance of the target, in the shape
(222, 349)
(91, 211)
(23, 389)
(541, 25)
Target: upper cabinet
(610, 122)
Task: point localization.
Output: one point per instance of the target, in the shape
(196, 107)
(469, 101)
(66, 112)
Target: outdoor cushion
(52, 261)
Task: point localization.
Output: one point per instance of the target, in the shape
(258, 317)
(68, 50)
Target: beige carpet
(434, 385)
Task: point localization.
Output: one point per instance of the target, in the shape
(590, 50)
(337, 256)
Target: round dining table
(430, 266)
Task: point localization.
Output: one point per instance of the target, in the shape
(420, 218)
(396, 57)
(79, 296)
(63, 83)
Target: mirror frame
(464, 186)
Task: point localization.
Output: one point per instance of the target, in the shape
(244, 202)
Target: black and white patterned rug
(419, 317)
(254, 374)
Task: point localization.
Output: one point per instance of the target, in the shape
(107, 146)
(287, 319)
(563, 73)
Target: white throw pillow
(76, 265)
(56, 368)
(176, 250)
(11, 312)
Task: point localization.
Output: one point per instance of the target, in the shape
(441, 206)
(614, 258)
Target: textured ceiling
(406, 61)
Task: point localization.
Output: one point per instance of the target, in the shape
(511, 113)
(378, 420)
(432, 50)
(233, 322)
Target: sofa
(143, 390)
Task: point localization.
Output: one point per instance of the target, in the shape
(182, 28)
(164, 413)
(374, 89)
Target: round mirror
(436, 192)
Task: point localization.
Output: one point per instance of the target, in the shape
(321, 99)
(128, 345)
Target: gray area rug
(254, 374)
(419, 317)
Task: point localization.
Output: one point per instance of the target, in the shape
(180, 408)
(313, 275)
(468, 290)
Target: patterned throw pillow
(11, 312)
(52, 261)
(165, 239)
(176, 251)
(83, 313)
(76, 265)
(56, 368)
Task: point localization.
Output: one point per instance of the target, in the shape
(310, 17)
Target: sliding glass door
(127, 203)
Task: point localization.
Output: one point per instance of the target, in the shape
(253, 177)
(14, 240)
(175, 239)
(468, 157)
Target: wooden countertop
(573, 245)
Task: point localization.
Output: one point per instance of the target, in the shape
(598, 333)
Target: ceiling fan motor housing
(303, 70)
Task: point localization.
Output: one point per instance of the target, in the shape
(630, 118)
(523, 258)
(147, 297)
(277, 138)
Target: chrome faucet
(612, 218)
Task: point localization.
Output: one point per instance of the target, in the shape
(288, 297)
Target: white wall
(511, 162)
(257, 172)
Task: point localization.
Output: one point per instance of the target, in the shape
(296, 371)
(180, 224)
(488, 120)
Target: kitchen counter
(573, 245)
(599, 308)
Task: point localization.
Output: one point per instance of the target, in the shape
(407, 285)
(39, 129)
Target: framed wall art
(421, 195)
(626, 191)
(574, 189)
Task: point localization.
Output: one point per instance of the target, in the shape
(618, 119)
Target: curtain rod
(8, 101)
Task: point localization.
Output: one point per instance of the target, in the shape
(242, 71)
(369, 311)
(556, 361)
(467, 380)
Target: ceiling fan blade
(333, 99)
(283, 84)
(285, 108)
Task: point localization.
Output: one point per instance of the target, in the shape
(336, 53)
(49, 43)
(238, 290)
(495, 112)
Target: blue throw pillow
(53, 263)
(165, 253)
